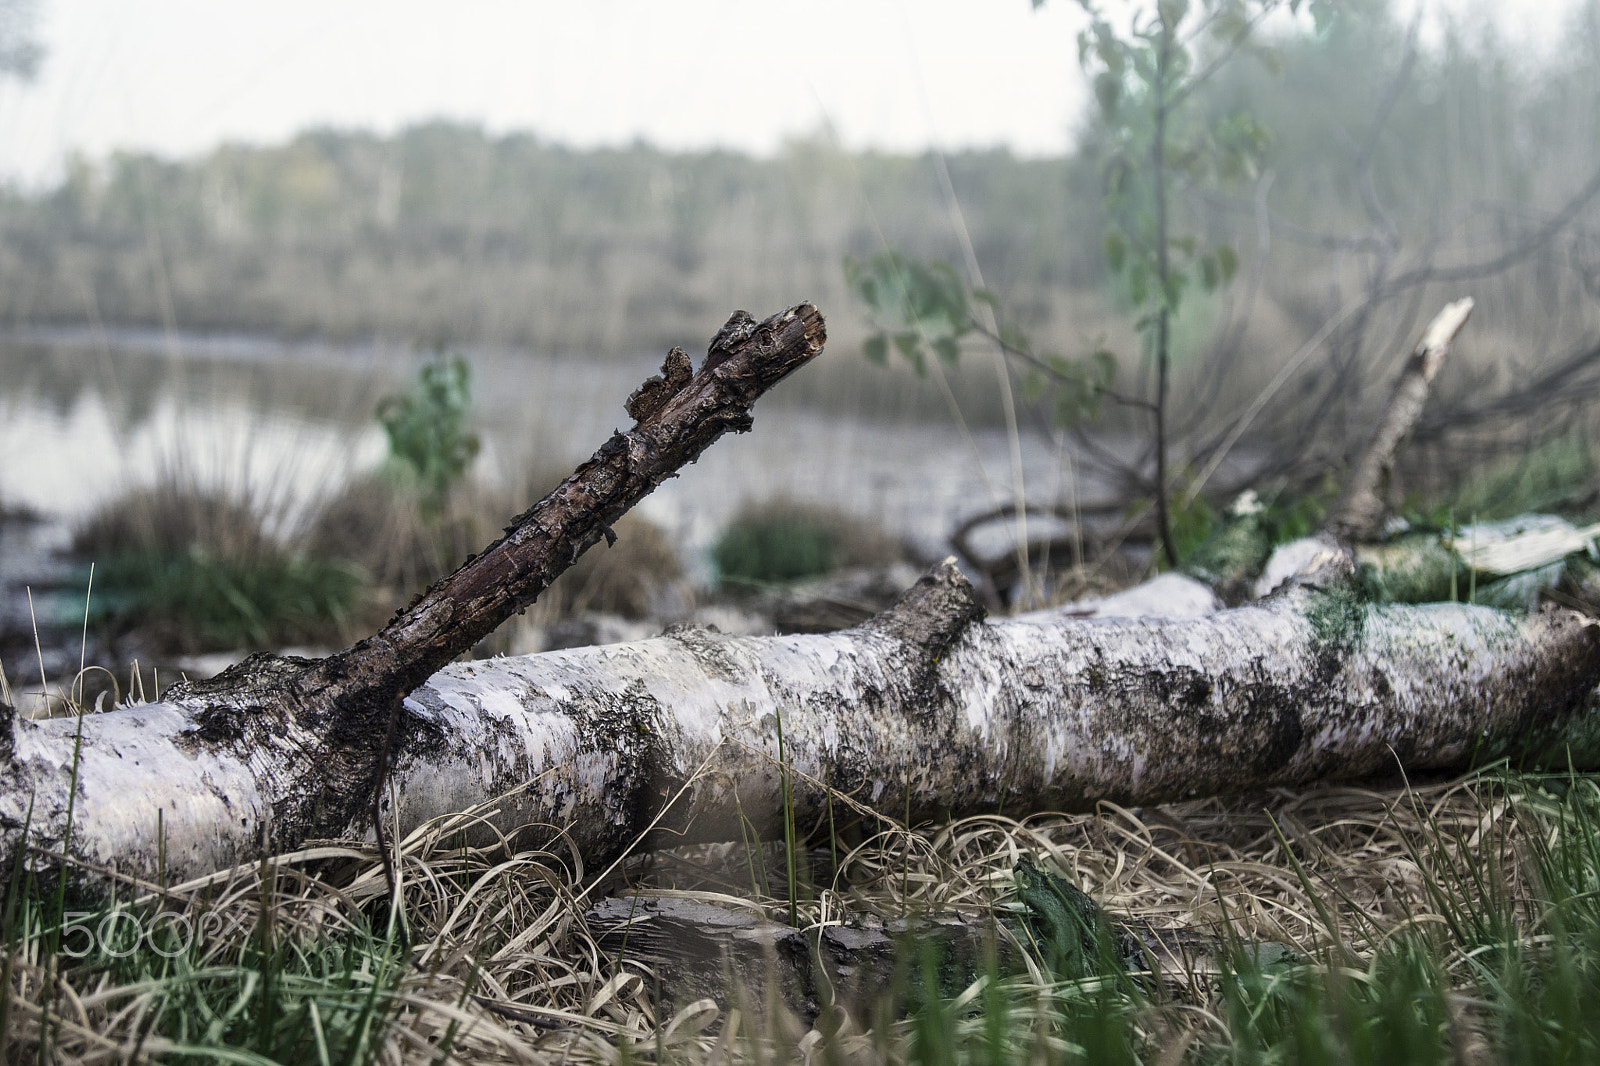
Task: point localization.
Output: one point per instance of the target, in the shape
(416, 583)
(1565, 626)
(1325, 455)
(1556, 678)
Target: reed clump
(193, 568)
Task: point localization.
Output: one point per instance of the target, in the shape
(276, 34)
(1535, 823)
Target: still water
(85, 416)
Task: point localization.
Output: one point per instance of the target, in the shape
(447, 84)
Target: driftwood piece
(737, 956)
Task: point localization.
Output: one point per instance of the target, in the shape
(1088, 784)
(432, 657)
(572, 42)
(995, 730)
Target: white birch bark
(925, 706)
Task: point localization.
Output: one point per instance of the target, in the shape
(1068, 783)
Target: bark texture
(925, 708)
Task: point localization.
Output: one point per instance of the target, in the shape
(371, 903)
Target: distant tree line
(1395, 175)
(445, 233)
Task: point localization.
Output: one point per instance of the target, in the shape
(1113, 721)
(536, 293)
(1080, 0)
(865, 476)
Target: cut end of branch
(1441, 331)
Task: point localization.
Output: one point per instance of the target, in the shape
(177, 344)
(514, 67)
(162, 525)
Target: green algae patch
(1231, 557)
(1413, 568)
(1338, 615)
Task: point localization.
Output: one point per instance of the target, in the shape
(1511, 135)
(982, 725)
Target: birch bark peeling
(925, 705)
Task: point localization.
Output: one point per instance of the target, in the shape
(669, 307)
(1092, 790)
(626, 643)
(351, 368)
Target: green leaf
(1033, 384)
(1176, 283)
(1172, 12)
(1227, 262)
(1105, 364)
(907, 343)
(909, 296)
(1139, 283)
(876, 349)
(427, 427)
(1111, 52)
(1014, 338)
(1108, 93)
(1116, 251)
(949, 350)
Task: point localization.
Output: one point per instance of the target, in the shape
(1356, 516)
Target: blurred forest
(1395, 176)
(445, 233)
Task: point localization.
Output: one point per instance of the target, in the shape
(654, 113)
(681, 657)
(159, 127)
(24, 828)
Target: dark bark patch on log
(1284, 732)
(705, 644)
(1381, 688)
(925, 623)
(1187, 688)
(233, 703)
(242, 710)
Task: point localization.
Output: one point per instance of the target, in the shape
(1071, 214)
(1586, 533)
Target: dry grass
(502, 967)
(379, 525)
(171, 517)
(187, 566)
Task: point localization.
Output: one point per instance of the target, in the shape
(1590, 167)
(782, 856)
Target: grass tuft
(194, 569)
(781, 541)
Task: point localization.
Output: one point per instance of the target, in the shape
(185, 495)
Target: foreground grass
(1456, 922)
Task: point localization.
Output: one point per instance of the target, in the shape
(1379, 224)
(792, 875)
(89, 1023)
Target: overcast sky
(180, 76)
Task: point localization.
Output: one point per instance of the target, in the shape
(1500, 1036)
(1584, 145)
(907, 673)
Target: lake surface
(85, 415)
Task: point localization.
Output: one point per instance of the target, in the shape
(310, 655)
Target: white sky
(179, 76)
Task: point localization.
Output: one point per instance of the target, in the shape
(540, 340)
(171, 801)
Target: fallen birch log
(925, 711)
